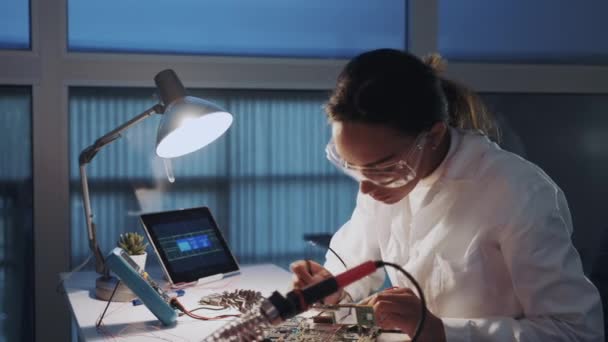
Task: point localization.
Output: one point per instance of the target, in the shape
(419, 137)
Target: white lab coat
(488, 238)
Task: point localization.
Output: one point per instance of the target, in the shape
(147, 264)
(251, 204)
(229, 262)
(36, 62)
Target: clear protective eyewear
(390, 174)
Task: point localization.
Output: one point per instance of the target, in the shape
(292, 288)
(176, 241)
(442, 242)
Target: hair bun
(436, 62)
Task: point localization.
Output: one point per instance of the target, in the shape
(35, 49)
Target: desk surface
(136, 323)
(123, 321)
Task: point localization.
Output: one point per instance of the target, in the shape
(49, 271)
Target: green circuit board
(305, 330)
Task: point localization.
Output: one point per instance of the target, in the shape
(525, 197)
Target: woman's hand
(306, 272)
(400, 308)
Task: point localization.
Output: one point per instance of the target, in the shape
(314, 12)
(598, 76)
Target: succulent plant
(132, 243)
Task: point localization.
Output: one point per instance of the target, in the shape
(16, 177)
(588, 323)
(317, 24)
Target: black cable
(420, 324)
(107, 305)
(314, 243)
(337, 256)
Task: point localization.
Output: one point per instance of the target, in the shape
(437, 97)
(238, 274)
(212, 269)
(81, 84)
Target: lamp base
(104, 286)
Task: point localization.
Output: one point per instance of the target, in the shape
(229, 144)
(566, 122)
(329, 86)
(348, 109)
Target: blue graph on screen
(187, 245)
(193, 243)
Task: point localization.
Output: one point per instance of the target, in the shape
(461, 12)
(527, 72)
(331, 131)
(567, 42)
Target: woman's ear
(436, 134)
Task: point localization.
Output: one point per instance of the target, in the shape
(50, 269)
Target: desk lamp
(188, 124)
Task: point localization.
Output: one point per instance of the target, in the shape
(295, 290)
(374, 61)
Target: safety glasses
(391, 174)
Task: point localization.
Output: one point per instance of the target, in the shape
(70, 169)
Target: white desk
(125, 322)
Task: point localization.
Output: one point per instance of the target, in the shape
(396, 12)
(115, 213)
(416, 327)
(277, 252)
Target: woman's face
(368, 145)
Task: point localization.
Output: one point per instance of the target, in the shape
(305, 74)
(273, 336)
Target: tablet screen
(189, 244)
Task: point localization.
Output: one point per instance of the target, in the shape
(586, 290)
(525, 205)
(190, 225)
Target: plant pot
(140, 260)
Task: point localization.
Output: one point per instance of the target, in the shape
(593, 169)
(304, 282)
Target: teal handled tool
(155, 298)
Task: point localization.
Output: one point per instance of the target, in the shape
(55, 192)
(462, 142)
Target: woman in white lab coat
(485, 232)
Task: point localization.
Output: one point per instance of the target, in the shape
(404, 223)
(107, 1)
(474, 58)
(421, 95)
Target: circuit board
(304, 330)
(341, 323)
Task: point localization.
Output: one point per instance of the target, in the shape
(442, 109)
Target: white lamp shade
(189, 124)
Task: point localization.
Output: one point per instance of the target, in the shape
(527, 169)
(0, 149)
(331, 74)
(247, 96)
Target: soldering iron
(278, 308)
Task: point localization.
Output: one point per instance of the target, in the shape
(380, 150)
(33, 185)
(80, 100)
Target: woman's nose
(366, 187)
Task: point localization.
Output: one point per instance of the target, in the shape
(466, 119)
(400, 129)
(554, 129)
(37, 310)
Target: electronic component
(303, 330)
(325, 317)
(365, 316)
(242, 300)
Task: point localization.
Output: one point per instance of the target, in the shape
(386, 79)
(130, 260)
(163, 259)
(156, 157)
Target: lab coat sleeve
(356, 242)
(559, 303)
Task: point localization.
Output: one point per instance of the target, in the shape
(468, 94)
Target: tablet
(190, 245)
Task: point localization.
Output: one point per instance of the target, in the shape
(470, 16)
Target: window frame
(50, 69)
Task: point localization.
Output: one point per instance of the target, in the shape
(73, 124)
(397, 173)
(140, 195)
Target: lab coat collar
(470, 147)
(440, 170)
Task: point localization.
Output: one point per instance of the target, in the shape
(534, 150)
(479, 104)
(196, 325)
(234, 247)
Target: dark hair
(396, 88)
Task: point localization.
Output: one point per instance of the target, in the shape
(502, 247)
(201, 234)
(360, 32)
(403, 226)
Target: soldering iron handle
(316, 292)
(348, 277)
(299, 300)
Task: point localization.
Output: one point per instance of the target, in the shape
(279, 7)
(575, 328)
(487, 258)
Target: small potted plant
(134, 244)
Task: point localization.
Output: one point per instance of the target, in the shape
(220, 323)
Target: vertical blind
(16, 241)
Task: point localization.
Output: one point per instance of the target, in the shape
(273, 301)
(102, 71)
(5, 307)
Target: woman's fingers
(296, 283)
(390, 321)
(315, 267)
(396, 308)
(367, 300)
(394, 290)
(301, 272)
(405, 308)
(307, 272)
(395, 294)
(400, 308)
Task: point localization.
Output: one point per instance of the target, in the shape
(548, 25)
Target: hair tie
(435, 62)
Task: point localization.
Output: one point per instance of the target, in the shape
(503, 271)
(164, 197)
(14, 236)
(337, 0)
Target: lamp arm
(89, 153)
(85, 158)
